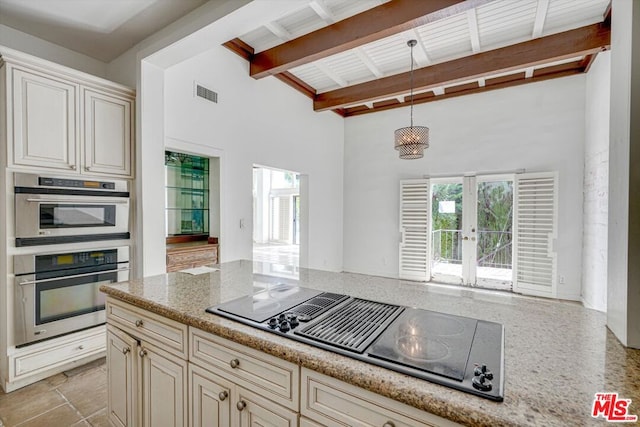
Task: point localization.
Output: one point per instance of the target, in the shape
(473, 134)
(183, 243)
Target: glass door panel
(494, 233)
(446, 231)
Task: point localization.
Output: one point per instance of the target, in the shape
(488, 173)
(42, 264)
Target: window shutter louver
(535, 231)
(414, 229)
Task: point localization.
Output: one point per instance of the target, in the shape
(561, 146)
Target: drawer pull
(80, 347)
(234, 363)
(72, 167)
(223, 395)
(241, 405)
(143, 353)
(389, 424)
(126, 350)
(139, 323)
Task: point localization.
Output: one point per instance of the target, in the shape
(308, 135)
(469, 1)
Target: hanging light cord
(411, 44)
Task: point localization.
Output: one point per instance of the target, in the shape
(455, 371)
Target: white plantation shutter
(535, 231)
(414, 229)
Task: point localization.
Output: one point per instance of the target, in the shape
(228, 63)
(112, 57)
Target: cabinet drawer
(335, 403)
(157, 330)
(268, 376)
(50, 354)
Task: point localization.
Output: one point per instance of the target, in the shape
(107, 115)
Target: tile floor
(74, 398)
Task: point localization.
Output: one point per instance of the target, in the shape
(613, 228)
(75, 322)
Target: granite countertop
(557, 354)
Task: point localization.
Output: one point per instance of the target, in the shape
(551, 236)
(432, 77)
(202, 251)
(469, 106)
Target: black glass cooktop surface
(429, 341)
(268, 303)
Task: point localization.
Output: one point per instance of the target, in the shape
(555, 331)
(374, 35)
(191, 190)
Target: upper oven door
(49, 215)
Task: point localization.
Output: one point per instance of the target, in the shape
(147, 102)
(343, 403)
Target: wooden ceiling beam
(579, 42)
(518, 79)
(374, 24)
(240, 48)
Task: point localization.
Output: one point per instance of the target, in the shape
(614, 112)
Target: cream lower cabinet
(147, 378)
(251, 387)
(147, 386)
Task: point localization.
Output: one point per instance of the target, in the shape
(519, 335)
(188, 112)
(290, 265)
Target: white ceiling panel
(343, 9)
(563, 14)
(302, 22)
(261, 39)
(391, 55)
(314, 77)
(446, 38)
(349, 66)
(501, 22)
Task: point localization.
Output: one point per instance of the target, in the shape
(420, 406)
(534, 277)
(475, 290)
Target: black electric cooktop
(455, 351)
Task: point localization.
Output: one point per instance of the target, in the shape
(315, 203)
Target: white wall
(623, 284)
(596, 184)
(539, 127)
(260, 122)
(27, 43)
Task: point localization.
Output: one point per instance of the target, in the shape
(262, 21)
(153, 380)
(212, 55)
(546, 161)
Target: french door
(471, 222)
(489, 231)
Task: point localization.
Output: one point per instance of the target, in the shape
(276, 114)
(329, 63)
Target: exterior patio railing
(494, 248)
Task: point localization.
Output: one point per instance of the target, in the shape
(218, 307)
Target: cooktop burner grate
(354, 326)
(317, 305)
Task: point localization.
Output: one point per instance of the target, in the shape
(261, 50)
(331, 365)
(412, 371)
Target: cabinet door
(209, 399)
(44, 121)
(256, 411)
(107, 133)
(164, 388)
(122, 376)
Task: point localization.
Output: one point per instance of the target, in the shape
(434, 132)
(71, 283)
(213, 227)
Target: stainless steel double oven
(57, 291)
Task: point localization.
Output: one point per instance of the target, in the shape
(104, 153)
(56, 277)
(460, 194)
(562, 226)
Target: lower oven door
(55, 306)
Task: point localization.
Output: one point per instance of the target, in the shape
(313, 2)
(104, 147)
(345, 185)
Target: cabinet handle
(223, 395)
(72, 167)
(143, 353)
(139, 323)
(234, 363)
(241, 405)
(87, 168)
(126, 350)
(80, 347)
(389, 424)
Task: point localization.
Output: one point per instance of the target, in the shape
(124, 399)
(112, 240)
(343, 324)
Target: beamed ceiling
(351, 57)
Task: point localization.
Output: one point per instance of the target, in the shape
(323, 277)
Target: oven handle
(83, 201)
(33, 282)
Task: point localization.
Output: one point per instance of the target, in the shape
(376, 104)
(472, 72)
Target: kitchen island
(557, 354)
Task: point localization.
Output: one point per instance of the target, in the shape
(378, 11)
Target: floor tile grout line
(82, 417)
(41, 413)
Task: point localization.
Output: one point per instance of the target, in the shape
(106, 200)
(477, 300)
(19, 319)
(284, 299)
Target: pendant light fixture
(411, 141)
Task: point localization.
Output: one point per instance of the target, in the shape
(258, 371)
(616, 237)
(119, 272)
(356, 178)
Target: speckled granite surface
(557, 354)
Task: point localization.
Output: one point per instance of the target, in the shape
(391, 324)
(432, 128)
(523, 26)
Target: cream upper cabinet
(44, 121)
(107, 133)
(64, 120)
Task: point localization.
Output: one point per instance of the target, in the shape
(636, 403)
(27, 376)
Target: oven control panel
(75, 183)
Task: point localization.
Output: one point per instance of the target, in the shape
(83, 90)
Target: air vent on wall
(206, 93)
